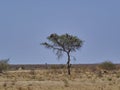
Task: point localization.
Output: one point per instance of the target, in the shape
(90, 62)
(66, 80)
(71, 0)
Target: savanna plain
(85, 77)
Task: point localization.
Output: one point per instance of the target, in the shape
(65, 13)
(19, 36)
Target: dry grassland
(57, 79)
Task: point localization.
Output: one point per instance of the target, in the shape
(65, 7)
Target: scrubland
(57, 79)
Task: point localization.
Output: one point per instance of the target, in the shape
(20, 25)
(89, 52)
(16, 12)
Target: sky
(24, 24)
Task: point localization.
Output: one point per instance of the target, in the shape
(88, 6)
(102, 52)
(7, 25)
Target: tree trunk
(68, 63)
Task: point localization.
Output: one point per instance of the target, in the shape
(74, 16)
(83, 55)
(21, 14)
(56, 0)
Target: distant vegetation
(107, 65)
(4, 65)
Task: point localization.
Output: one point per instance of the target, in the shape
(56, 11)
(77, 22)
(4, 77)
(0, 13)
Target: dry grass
(57, 79)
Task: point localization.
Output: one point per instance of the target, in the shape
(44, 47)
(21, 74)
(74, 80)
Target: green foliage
(63, 43)
(107, 65)
(4, 65)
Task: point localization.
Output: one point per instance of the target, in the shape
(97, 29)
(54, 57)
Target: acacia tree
(63, 44)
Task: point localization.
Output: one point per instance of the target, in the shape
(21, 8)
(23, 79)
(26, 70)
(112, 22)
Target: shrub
(109, 79)
(66, 83)
(3, 65)
(107, 65)
(54, 67)
(32, 72)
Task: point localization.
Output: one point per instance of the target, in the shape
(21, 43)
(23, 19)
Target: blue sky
(24, 24)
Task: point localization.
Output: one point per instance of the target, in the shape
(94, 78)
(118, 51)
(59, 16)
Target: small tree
(3, 65)
(63, 43)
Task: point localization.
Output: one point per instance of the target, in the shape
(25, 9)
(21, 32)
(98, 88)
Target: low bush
(107, 65)
(4, 65)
